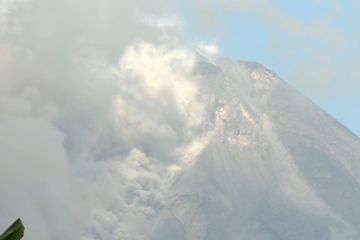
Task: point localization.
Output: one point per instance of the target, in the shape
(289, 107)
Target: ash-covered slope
(273, 166)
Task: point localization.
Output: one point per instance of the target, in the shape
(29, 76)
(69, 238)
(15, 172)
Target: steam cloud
(86, 149)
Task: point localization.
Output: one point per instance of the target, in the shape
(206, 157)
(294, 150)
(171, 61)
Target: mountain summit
(273, 167)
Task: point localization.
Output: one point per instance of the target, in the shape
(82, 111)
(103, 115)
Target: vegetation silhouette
(14, 232)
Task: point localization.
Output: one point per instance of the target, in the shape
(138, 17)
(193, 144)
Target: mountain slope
(273, 166)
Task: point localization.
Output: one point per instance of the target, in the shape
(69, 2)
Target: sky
(313, 45)
(84, 85)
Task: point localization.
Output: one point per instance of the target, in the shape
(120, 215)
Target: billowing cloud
(84, 140)
(82, 136)
(208, 49)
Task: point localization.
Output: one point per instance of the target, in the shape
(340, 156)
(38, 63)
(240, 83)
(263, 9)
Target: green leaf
(14, 232)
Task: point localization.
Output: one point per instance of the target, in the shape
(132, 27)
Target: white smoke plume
(86, 149)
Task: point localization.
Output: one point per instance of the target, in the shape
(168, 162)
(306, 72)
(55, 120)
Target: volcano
(274, 167)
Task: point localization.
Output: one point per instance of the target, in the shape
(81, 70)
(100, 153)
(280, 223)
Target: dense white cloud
(84, 140)
(208, 49)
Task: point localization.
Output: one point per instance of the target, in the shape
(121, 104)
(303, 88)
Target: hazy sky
(314, 45)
